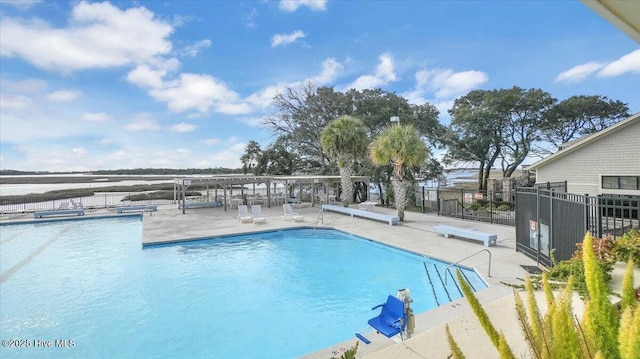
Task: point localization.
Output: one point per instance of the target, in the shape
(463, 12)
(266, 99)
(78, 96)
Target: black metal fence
(548, 220)
(485, 206)
(556, 186)
(102, 200)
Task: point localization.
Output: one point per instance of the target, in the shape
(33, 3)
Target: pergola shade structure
(289, 188)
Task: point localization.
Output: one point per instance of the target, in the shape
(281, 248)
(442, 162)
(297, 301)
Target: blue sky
(184, 84)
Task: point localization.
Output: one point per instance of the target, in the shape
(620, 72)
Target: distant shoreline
(57, 179)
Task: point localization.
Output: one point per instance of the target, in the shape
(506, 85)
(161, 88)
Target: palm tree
(345, 140)
(403, 148)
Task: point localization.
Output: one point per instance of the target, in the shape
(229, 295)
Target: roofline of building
(622, 14)
(586, 140)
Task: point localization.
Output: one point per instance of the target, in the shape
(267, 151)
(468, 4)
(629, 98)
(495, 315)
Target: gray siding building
(604, 162)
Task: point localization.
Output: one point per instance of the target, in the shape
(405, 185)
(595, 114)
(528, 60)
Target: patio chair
(243, 214)
(290, 215)
(391, 321)
(256, 213)
(75, 204)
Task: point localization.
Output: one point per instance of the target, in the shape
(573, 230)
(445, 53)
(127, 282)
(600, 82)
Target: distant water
(26, 188)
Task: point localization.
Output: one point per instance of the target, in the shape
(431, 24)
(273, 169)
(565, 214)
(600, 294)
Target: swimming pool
(276, 294)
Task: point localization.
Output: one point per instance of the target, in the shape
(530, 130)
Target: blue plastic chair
(391, 321)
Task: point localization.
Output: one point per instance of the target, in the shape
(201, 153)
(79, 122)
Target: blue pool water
(273, 295)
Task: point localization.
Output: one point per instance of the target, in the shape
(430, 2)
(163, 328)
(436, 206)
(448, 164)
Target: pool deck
(415, 234)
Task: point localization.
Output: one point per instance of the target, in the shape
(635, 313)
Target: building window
(628, 182)
(621, 182)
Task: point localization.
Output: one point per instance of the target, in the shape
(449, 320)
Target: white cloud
(79, 151)
(293, 5)
(21, 4)
(105, 141)
(211, 141)
(627, 63)
(233, 108)
(250, 19)
(187, 91)
(183, 127)
(444, 84)
(144, 76)
(95, 117)
(199, 92)
(251, 121)
(443, 107)
(63, 95)
(579, 73)
(25, 86)
(193, 50)
(98, 35)
(35, 124)
(449, 84)
(330, 70)
(230, 158)
(286, 39)
(142, 122)
(384, 74)
(264, 98)
(14, 102)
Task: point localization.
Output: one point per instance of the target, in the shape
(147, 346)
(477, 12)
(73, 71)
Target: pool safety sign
(534, 227)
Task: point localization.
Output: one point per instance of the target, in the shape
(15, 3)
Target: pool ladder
(320, 218)
(446, 269)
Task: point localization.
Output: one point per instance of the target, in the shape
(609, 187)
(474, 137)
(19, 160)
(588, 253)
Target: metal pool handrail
(318, 220)
(446, 269)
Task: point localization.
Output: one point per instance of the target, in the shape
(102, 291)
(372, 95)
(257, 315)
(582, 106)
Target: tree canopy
(345, 140)
(581, 115)
(403, 148)
(504, 126)
(514, 124)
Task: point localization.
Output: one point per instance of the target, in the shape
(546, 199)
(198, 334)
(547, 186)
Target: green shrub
(504, 207)
(628, 247)
(562, 270)
(474, 206)
(349, 353)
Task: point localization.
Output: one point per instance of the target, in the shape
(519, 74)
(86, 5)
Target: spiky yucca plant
(600, 334)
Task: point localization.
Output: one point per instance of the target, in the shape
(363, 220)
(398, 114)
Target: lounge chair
(243, 214)
(290, 215)
(256, 214)
(391, 321)
(62, 210)
(76, 205)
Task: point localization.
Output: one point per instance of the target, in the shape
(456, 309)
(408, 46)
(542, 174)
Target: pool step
(444, 289)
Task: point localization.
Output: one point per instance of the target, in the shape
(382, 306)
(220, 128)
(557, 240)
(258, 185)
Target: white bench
(151, 207)
(58, 212)
(362, 213)
(201, 204)
(367, 205)
(488, 238)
